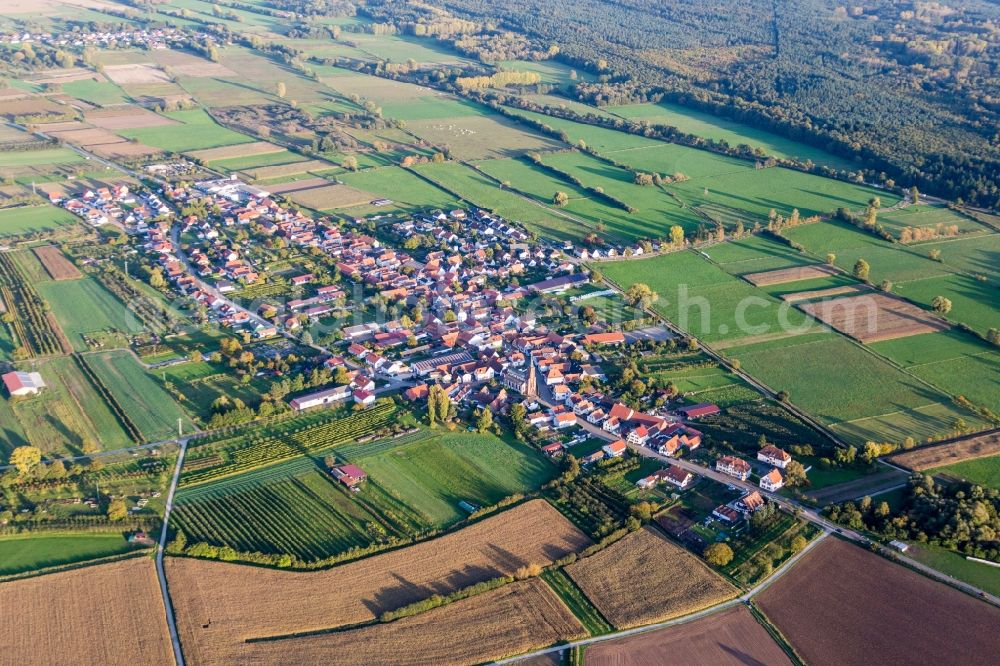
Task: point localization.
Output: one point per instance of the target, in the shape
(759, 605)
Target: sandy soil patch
(105, 614)
(130, 117)
(731, 636)
(505, 622)
(844, 605)
(239, 150)
(949, 453)
(673, 582)
(824, 293)
(873, 317)
(790, 275)
(331, 196)
(246, 602)
(135, 74)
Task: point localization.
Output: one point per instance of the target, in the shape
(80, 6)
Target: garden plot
(139, 73)
(874, 317)
(795, 274)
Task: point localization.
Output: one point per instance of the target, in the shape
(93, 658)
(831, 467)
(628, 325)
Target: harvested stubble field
(331, 196)
(11, 108)
(123, 149)
(249, 602)
(239, 150)
(131, 117)
(674, 582)
(949, 453)
(296, 185)
(728, 637)
(285, 170)
(874, 317)
(135, 74)
(845, 605)
(790, 275)
(104, 614)
(505, 622)
(56, 264)
(87, 136)
(824, 293)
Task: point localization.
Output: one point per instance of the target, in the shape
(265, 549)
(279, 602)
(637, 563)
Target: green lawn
(85, 306)
(27, 553)
(195, 130)
(151, 408)
(27, 219)
(44, 157)
(433, 475)
(984, 471)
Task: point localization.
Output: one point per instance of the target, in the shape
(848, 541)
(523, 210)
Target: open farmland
(105, 614)
(127, 117)
(238, 150)
(23, 553)
(86, 307)
(508, 621)
(927, 218)
(194, 130)
(673, 583)
(246, 602)
(781, 276)
(433, 475)
(982, 471)
(731, 634)
(874, 317)
(406, 190)
(28, 219)
(816, 607)
(56, 263)
(329, 197)
(150, 407)
(950, 453)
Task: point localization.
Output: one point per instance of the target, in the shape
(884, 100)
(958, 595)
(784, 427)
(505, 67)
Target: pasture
(85, 307)
(974, 302)
(150, 407)
(246, 602)
(406, 190)
(815, 607)
(733, 132)
(676, 583)
(104, 614)
(43, 157)
(195, 130)
(926, 217)
(32, 219)
(984, 471)
(482, 136)
(431, 476)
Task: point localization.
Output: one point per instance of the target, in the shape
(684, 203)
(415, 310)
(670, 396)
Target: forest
(907, 89)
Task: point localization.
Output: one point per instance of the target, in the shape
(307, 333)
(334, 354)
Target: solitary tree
(718, 554)
(281, 89)
(914, 194)
(26, 458)
(560, 198)
(350, 163)
(117, 510)
(831, 258)
(640, 295)
(485, 420)
(795, 474)
(677, 235)
(941, 305)
(861, 269)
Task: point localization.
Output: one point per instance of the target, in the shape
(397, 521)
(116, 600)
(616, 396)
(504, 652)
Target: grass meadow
(28, 553)
(85, 306)
(196, 130)
(29, 219)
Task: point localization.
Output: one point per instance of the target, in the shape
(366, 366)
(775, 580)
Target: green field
(29, 219)
(984, 471)
(44, 157)
(982, 576)
(756, 254)
(923, 216)
(976, 256)
(552, 72)
(96, 92)
(85, 306)
(28, 553)
(255, 161)
(433, 475)
(706, 301)
(717, 128)
(195, 130)
(151, 408)
(405, 189)
(70, 415)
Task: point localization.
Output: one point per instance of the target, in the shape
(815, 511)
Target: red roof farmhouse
(23, 383)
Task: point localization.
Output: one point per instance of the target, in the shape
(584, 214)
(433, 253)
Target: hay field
(132, 117)
(514, 619)
(730, 636)
(795, 274)
(106, 614)
(56, 264)
(138, 73)
(244, 602)
(188, 64)
(874, 317)
(239, 150)
(296, 185)
(644, 579)
(330, 196)
(845, 605)
(285, 170)
(940, 455)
